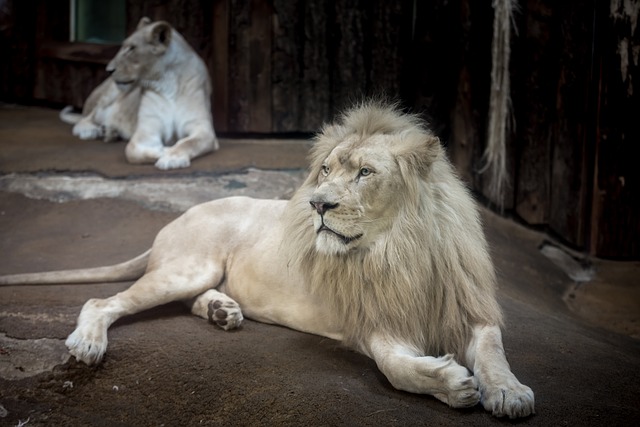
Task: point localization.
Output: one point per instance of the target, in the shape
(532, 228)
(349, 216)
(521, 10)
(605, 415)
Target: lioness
(157, 97)
(381, 248)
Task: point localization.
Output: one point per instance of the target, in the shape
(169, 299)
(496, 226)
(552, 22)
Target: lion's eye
(325, 170)
(365, 172)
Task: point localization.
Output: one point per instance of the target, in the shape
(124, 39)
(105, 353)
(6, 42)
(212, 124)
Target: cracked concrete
(171, 193)
(27, 358)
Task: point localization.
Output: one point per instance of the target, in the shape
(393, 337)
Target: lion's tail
(129, 270)
(68, 116)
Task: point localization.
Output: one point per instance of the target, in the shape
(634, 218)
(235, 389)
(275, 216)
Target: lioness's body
(158, 98)
(109, 113)
(381, 247)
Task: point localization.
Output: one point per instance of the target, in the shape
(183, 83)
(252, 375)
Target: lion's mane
(427, 280)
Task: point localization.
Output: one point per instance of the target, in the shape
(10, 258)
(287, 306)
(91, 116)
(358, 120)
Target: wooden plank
(464, 141)
(616, 200)
(348, 51)
(218, 64)
(260, 36)
(315, 105)
(17, 69)
(463, 137)
(92, 53)
(389, 38)
(571, 157)
(250, 66)
(457, 95)
(536, 64)
(66, 83)
(288, 43)
(239, 82)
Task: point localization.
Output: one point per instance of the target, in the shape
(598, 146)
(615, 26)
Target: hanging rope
(494, 159)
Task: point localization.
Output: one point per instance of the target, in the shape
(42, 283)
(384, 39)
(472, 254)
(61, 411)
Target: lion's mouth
(345, 239)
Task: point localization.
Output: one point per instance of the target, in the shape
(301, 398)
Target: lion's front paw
(461, 386)
(510, 398)
(226, 314)
(84, 129)
(88, 344)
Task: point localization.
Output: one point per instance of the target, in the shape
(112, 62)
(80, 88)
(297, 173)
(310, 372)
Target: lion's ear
(144, 21)
(160, 37)
(433, 149)
(419, 151)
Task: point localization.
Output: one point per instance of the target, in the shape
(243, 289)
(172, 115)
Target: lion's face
(139, 53)
(352, 203)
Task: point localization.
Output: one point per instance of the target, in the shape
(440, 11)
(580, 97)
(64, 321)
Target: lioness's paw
(84, 129)
(511, 399)
(226, 314)
(110, 134)
(169, 161)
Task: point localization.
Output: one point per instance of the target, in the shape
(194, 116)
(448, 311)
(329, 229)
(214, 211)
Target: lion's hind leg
(218, 308)
(174, 281)
(501, 392)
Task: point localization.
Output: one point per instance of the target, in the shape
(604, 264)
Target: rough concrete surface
(167, 367)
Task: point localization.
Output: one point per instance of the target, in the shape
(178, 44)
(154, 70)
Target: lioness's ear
(160, 36)
(144, 21)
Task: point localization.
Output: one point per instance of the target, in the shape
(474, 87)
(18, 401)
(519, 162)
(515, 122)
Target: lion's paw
(511, 399)
(170, 161)
(225, 314)
(87, 344)
(461, 386)
(84, 129)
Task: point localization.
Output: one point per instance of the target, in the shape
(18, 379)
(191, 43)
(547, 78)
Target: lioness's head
(140, 52)
(365, 170)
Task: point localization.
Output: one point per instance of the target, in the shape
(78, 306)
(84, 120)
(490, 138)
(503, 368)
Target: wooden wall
(573, 141)
(615, 215)
(287, 66)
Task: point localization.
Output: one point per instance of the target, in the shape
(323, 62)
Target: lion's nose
(322, 207)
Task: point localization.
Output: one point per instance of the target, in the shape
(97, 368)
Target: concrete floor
(67, 203)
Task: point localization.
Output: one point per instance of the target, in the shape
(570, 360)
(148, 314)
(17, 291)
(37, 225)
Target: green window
(98, 21)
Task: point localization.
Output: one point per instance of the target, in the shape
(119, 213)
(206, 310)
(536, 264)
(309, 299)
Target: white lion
(158, 97)
(381, 248)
